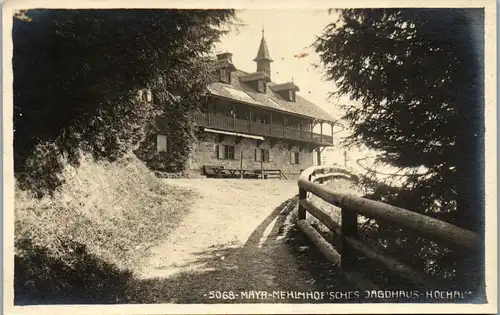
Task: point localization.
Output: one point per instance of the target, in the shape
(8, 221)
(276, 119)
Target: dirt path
(232, 241)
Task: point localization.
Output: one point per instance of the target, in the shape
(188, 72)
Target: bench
(259, 172)
(212, 171)
(251, 174)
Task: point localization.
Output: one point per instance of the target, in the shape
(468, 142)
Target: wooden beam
(349, 226)
(416, 276)
(234, 117)
(321, 215)
(284, 124)
(326, 248)
(250, 119)
(270, 122)
(331, 126)
(321, 132)
(351, 242)
(302, 210)
(422, 224)
(300, 126)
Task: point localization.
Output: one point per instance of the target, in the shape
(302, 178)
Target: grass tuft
(94, 229)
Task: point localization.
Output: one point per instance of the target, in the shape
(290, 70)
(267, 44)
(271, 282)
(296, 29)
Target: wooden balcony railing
(261, 129)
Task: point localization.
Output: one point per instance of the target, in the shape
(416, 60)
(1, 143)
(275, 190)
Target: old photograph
(317, 158)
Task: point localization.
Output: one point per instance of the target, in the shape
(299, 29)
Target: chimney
(225, 56)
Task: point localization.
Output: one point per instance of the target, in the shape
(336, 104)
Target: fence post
(310, 179)
(302, 211)
(349, 229)
(261, 164)
(241, 164)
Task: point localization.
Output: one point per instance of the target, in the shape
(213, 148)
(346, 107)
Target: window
(161, 143)
(229, 152)
(225, 152)
(261, 86)
(291, 95)
(225, 75)
(262, 155)
(294, 158)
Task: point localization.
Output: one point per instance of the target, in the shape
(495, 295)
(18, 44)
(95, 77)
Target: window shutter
(291, 157)
(265, 155)
(269, 152)
(161, 143)
(220, 151)
(258, 154)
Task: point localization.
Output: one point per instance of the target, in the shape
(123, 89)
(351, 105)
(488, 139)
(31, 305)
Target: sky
(287, 33)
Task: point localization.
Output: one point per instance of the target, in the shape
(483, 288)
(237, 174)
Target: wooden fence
(346, 255)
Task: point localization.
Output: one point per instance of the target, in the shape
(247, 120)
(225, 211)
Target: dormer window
(225, 75)
(262, 86)
(256, 81)
(286, 90)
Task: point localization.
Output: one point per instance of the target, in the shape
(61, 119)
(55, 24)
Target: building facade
(251, 122)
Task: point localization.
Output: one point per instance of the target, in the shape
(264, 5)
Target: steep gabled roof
(242, 92)
(263, 53)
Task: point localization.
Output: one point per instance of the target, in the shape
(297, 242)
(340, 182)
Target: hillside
(100, 223)
(115, 233)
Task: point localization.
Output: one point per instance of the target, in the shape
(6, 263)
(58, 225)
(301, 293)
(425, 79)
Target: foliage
(77, 74)
(420, 94)
(416, 77)
(94, 232)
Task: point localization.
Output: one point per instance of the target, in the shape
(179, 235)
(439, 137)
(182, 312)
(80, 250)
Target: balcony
(261, 129)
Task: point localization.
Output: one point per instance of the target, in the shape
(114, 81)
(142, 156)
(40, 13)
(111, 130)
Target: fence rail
(346, 254)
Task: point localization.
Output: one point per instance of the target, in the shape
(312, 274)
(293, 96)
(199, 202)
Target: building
(252, 122)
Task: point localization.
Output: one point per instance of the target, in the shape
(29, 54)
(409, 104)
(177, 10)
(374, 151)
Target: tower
(263, 58)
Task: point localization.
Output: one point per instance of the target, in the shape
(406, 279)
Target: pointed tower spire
(263, 58)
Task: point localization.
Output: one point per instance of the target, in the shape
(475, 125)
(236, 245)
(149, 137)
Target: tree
(417, 75)
(77, 74)
(420, 91)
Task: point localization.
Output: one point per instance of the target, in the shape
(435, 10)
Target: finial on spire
(262, 29)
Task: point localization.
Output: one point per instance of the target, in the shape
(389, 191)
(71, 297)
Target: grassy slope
(98, 225)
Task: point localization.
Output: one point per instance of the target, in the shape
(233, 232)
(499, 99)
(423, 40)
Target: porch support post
(284, 118)
(331, 125)
(321, 131)
(234, 117)
(300, 125)
(270, 122)
(250, 119)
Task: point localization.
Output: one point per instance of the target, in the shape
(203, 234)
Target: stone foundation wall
(205, 153)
